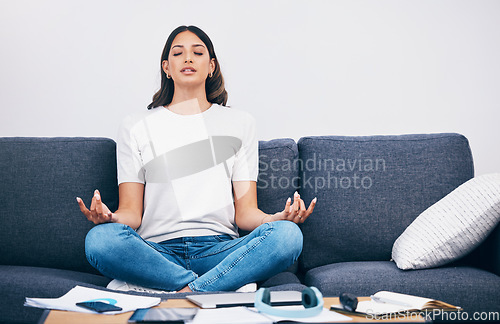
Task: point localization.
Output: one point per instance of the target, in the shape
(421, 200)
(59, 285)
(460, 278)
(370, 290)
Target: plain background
(348, 67)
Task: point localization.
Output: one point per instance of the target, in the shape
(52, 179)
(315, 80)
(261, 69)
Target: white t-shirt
(187, 163)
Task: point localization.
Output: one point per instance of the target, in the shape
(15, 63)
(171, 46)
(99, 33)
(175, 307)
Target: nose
(188, 59)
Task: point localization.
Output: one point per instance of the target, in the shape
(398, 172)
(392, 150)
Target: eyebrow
(195, 45)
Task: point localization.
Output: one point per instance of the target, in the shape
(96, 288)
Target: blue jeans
(204, 263)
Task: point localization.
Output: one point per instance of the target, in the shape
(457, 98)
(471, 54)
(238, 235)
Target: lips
(188, 69)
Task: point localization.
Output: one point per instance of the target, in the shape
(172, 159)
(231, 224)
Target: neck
(188, 101)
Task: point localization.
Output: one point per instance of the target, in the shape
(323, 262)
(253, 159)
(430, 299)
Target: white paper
(244, 315)
(376, 308)
(229, 315)
(81, 294)
(408, 301)
(324, 317)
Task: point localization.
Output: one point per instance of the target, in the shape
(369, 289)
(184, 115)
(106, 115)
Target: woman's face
(188, 62)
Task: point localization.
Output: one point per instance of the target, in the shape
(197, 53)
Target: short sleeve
(129, 161)
(246, 165)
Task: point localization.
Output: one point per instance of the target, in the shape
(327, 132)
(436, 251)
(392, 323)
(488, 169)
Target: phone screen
(99, 307)
(164, 315)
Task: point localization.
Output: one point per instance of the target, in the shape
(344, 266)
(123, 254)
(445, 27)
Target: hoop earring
(168, 77)
(211, 74)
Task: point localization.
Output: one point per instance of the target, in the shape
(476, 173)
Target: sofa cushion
(461, 286)
(452, 227)
(370, 188)
(282, 278)
(40, 177)
(17, 282)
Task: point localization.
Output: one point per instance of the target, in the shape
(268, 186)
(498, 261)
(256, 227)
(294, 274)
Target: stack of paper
(81, 294)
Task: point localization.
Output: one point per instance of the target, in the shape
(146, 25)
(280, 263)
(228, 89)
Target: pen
(389, 301)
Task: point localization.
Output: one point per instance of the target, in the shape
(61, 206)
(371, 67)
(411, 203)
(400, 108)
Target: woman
(187, 172)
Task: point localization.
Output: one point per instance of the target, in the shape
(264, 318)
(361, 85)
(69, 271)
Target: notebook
(278, 298)
(386, 302)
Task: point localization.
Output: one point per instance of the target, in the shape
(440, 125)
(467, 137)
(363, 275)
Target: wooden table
(62, 317)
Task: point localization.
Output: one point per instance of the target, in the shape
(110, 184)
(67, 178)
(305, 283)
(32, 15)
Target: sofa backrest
(278, 179)
(39, 180)
(371, 188)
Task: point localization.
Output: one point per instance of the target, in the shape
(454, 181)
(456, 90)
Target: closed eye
(177, 54)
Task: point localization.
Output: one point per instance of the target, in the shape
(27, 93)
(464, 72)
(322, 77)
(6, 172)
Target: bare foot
(185, 289)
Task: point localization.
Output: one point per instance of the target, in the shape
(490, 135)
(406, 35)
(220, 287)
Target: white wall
(349, 67)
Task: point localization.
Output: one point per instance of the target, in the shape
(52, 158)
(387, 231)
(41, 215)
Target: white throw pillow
(452, 227)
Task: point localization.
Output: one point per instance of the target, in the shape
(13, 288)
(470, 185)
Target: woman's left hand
(295, 212)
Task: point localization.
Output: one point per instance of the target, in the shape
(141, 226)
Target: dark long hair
(214, 86)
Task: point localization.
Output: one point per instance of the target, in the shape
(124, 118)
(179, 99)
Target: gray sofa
(369, 190)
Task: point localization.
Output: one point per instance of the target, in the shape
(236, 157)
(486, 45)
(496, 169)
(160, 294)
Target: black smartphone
(99, 307)
(163, 315)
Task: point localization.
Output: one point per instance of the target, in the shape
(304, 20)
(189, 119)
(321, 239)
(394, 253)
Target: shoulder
(236, 114)
(132, 120)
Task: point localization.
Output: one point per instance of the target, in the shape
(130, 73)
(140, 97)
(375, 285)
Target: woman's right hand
(99, 213)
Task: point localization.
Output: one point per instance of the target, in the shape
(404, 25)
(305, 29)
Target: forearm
(248, 216)
(129, 211)
(127, 217)
(251, 218)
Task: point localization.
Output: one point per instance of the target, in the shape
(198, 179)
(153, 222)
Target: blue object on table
(312, 300)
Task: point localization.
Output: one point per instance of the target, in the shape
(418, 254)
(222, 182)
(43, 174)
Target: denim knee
(101, 239)
(289, 236)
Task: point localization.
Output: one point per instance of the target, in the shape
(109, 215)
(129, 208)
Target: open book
(386, 302)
